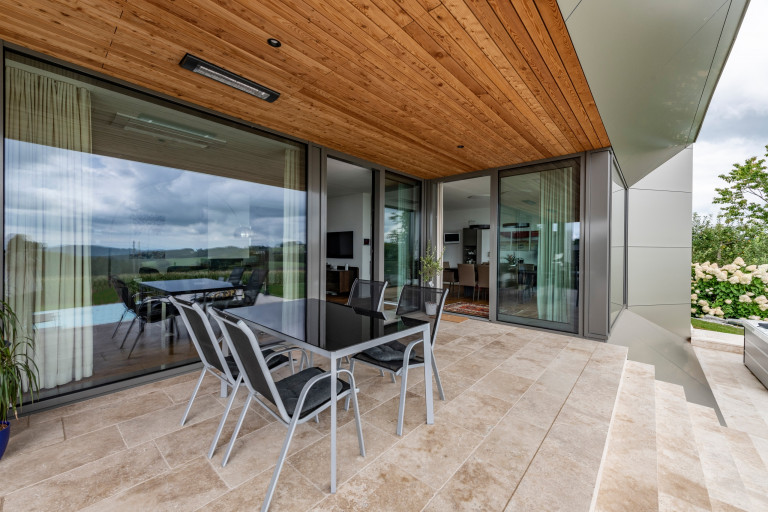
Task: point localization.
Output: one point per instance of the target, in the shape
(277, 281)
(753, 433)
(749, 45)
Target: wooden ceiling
(400, 83)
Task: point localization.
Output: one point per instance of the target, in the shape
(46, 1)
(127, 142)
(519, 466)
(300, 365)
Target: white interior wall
(352, 213)
(454, 220)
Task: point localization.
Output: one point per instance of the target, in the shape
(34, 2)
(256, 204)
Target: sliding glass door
(402, 229)
(539, 236)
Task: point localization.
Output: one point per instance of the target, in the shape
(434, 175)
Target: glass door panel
(402, 232)
(539, 232)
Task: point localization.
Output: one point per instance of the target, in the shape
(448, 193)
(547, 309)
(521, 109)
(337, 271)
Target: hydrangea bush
(736, 290)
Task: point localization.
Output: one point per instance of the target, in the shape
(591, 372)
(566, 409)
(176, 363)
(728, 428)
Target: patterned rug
(465, 308)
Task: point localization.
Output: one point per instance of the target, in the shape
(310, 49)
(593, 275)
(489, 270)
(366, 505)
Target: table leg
(333, 424)
(428, 376)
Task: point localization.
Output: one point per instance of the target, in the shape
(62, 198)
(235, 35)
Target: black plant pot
(5, 434)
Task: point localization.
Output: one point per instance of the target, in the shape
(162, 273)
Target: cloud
(736, 125)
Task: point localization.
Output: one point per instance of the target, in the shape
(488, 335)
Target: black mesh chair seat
(390, 356)
(290, 389)
(250, 293)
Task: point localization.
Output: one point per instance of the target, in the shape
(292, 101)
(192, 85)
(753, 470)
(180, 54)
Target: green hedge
(736, 290)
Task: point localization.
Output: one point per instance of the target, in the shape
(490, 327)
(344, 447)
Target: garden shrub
(736, 290)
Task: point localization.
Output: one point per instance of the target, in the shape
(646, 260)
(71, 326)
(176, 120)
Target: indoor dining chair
(292, 400)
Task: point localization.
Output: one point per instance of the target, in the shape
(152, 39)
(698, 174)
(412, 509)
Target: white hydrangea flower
(744, 298)
(702, 302)
(754, 317)
(745, 279)
(693, 310)
(728, 301)
(751, 294)
(694, 296)
(734, 279)
(761, 299)
(751, 268)
(763, 307)
(738, 261)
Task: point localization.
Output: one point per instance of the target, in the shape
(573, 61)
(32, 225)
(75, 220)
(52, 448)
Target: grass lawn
(714, 326)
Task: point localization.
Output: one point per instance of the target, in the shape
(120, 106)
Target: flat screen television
(339, 244)
(450, 238)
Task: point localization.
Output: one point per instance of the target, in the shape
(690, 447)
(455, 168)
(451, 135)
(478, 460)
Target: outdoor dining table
(334, 331)
(185, 287)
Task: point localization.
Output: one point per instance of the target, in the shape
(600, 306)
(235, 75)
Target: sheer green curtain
(48, 266)
(555, 257)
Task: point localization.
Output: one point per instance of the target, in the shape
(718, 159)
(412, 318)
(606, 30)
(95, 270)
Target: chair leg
(126, 332)
(437, 377)
(224, 417)
(358, 422)
(141, 331)
(280, 462)
(237, 430)
(192, 398)
(381, 373)
(394, 379)
(401, 406)
(119, 323)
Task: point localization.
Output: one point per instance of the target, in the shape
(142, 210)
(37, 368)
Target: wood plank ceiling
(401, 83)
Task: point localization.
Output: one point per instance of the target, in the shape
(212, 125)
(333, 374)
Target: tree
(745, 200)
(721, 243)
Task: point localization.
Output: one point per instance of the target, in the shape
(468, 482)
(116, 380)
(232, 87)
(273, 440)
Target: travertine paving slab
(94, 419)
(629, 475)
(724, 483)
(90, 483)
(681, 479)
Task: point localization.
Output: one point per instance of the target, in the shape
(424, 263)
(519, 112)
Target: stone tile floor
(523, 427)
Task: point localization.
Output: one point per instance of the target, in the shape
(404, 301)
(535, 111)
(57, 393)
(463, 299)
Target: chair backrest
(250, 361)
(413, 299)
(448, 276)
(236, 275)
(367, 295)
(446, 264)
(467, 274)
(201, 331)
(123, 293)
(252, 289)
(483, 275)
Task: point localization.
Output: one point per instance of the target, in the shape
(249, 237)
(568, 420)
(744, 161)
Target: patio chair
(467, 277)
(292, 400)
(396, 358)
(146, 309)
(216, 363)
(250, 292)
(127, 310)
(367, 295)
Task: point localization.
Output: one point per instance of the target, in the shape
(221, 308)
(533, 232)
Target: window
(104, 184)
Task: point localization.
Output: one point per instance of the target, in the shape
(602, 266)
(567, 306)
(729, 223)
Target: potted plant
(431, 266)
(16, 369)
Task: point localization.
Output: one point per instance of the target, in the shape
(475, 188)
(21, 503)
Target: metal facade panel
(659, 218)
(659, 276)
(597, 198)
(652, 67)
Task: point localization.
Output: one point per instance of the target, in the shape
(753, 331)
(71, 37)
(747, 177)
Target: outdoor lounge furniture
(367, 295)
(216, 363)
(396, 358)
(292, 400)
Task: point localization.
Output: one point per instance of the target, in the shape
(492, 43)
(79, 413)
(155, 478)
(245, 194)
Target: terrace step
(717, 341)
(724, 483)
(629, 474)
(682, 485)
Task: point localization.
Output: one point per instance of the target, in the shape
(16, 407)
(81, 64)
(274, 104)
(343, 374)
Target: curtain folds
(554, 292)
(48, 221)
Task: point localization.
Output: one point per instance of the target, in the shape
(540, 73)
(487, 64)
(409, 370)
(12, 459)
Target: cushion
(393, 351)
(290, 389)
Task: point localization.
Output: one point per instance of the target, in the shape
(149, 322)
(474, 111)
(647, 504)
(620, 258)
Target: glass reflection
(106, 186)
(539, 246)
(402, 230)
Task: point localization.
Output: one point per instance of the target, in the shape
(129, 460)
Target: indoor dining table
(334, 331)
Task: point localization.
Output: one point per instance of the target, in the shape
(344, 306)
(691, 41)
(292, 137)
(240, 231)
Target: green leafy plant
(17, 367)
(431, 263)
(736, 290)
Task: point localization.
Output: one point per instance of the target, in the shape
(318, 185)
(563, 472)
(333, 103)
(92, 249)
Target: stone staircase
(666, 454)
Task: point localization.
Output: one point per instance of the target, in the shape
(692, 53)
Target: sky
(736, 125)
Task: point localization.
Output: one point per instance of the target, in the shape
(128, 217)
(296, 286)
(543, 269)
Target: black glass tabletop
(326, 325)
(183, 286)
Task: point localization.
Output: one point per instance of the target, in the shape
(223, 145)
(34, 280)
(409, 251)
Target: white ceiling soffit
(652, 67)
